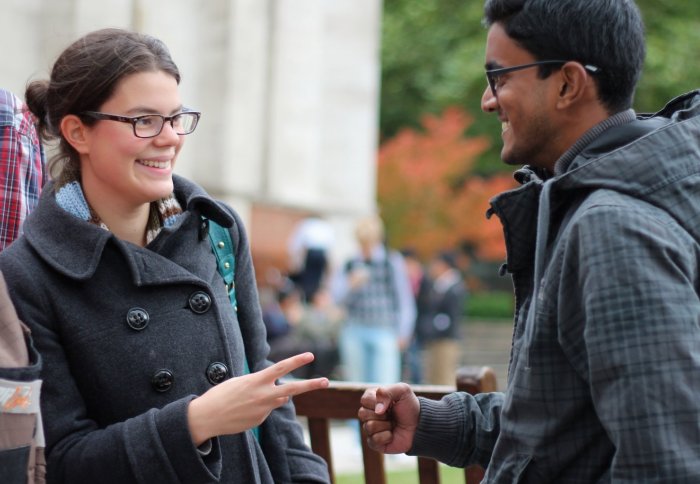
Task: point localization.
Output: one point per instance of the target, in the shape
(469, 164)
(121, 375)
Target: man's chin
(509, 159)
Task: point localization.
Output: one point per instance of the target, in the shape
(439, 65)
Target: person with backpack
(145, 313)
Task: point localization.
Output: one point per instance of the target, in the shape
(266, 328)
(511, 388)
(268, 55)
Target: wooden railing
(341, 401)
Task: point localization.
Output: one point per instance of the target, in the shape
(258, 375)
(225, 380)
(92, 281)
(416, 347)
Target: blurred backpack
(21, 433)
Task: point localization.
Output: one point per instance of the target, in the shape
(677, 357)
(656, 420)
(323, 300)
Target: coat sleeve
(459, 430)
(639, 346)
(281, 436)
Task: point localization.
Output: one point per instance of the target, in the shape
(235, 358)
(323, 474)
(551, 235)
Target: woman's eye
(146, 121)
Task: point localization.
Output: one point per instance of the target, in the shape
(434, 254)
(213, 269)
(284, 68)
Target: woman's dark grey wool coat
(130, 335)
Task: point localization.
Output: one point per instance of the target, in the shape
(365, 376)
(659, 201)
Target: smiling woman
(151, 374)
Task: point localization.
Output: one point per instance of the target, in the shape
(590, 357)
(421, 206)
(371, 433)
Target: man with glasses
(603, 246)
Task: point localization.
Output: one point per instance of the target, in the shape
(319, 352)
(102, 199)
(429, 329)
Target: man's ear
(75, 133)
(575, 84)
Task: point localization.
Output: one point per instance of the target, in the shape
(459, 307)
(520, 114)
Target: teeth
(155, 164)
(504, 126)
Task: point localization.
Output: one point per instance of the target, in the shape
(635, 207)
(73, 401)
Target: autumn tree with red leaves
(428, 199)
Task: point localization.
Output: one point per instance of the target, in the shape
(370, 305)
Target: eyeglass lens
(151, 125)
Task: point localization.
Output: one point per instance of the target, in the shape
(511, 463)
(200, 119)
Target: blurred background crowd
(381, 316)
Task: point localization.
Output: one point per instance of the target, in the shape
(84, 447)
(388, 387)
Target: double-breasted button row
(138, 318)
(163, 380)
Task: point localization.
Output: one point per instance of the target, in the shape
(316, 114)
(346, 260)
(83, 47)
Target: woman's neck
(130, 226)
(127, 224)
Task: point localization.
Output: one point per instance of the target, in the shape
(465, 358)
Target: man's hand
(389, 416)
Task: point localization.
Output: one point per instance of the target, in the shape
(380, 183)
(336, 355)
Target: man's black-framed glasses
(493, 76)
(150, 125)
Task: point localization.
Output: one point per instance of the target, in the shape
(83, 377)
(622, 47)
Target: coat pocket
(306, 466)
(515, 469)
(13, 464)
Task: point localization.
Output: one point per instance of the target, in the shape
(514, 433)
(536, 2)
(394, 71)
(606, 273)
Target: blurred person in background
(22, 166)
(308, 248)
(440, 314)
(321, 324)
(22, 175)
(374, 289)
(412, 358)
(294, 327)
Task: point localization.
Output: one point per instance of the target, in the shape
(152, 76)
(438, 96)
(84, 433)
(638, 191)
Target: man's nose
(489, 102)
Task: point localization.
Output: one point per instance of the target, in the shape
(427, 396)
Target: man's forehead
(502, 50)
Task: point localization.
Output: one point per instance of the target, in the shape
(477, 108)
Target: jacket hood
(655, 158)
(74, 246)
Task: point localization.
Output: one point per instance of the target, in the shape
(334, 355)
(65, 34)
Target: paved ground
(485, 344)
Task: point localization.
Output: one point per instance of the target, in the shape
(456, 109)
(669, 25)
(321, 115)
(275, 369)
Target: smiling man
(603, 243)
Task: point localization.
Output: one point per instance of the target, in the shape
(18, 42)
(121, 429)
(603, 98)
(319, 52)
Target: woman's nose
(168, 135)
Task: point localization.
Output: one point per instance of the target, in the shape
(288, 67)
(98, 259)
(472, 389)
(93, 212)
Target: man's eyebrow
(492, 65)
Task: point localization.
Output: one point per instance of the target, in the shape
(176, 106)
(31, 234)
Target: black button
(217, 372)
(203, 229)
(137, 319)
(200, 302)
(162, 380)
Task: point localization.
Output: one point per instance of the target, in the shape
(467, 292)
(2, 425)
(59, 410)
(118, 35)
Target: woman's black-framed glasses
(493, 75)
(150, 125)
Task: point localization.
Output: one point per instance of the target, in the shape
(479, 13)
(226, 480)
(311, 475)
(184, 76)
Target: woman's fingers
(301, 386)
(286, 366)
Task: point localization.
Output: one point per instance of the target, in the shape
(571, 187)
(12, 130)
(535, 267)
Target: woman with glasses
(151, 374)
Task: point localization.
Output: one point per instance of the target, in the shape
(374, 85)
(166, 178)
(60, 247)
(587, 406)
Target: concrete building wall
(288, 90)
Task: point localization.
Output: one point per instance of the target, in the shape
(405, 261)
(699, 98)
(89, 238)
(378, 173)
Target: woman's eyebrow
(149, 110)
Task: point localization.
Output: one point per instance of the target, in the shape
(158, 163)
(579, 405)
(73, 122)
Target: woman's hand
(244, 402)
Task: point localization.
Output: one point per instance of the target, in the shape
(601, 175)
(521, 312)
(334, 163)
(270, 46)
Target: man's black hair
(608, 34)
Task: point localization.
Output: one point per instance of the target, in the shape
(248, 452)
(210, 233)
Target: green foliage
(433, 56)
(673, 34)
(490, 305)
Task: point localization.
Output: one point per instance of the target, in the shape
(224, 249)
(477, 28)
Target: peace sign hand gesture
(244, 402)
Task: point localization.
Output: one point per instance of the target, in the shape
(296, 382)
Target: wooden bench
(341, 401)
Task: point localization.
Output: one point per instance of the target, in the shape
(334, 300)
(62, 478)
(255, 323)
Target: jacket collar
(74, 247)
(652, 158)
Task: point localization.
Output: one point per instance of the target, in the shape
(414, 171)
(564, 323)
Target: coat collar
(74, 247)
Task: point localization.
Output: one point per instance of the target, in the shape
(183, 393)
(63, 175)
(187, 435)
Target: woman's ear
(75, 133)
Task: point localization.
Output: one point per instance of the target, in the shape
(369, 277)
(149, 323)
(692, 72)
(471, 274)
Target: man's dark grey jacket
(604, 378)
